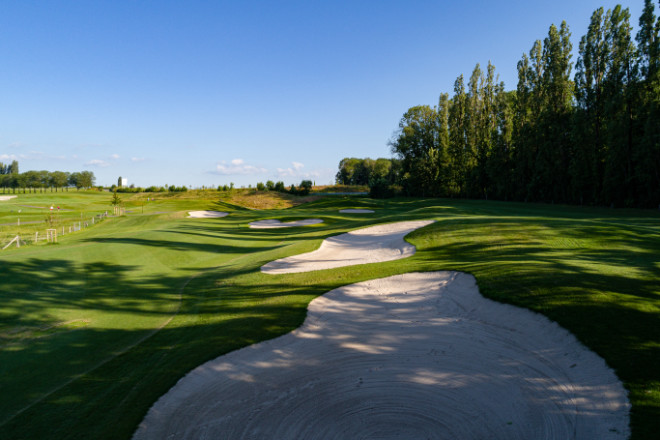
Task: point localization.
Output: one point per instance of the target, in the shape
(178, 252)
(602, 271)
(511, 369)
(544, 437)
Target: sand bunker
(420, 355)
(272, 224)
(5, 198)
(369, 245)
(206, 214)
(357, 211)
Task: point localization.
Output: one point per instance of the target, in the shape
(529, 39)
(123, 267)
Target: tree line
(590, 139)
(11, 178)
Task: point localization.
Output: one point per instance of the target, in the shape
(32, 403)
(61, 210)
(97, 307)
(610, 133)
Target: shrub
(382, 189)
(305, 187)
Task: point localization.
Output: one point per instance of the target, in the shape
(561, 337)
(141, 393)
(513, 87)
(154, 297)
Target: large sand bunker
(207, 214)
(369, 245)
(273, 224)
(5, 198)
(420, 355)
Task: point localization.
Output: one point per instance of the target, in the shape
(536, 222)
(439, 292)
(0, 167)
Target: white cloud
(137, 159)
(8, 157)
(296, 170)
(285, 172)
(114, 156)
(97, 163)
(15, 145)
(236, 167)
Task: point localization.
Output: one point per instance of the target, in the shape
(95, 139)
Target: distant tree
(417, 134)
(87, 179)
(115, 200)
(381, 170)
(347, 170)
(270, 185)
(75, 180)
(305, 187)
(261, 186)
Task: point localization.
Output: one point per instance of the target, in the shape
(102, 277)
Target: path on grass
(374, 244)
(420, 355)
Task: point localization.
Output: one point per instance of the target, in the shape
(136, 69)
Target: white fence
(52, 233)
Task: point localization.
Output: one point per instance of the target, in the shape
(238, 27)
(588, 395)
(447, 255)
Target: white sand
(272, 224)
(369, 245)
(357, 211)
(5, 198)
(420, 355)
(207, 214)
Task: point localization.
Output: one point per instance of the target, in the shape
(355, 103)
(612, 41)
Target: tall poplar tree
(588, 167)
(619, 85)
(474, 118)
(554, 118)
(522, 129)
(647, 157)
(458, 139)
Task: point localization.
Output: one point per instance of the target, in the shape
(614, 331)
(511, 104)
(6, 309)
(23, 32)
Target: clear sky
(212, 92)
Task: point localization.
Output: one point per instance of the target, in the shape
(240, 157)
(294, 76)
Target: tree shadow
(600, 281)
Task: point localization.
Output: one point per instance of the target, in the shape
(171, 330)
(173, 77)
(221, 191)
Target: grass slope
(94, 329)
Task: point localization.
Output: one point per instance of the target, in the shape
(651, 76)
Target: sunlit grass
(159, 294)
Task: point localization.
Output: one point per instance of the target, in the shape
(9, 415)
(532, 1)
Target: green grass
(93, 330)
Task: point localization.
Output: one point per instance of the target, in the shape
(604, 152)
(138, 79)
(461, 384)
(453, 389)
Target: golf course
(96, 327)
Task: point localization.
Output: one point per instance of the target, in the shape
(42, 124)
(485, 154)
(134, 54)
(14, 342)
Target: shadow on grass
(601, 282)
(540, 263)
(109, 383)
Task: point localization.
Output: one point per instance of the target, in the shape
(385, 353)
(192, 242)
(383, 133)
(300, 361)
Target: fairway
(94, 329)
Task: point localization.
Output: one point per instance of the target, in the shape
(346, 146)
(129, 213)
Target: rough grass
(95, 329)
(253, 199)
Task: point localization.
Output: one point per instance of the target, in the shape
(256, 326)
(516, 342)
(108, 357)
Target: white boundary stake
(51, 235)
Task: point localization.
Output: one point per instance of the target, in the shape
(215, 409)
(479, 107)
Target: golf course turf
(94, 329)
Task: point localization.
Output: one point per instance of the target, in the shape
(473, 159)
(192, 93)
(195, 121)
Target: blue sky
(211, 92)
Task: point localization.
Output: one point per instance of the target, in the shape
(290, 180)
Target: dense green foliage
(593, 139)
(94, 329)
(11, 178)
(303, 189)
(354, 171)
